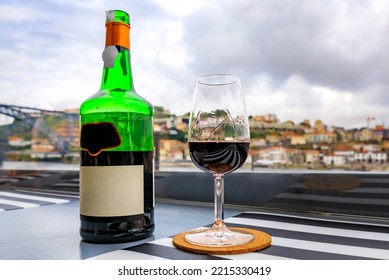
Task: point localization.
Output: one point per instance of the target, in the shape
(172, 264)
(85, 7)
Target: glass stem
(219, 201)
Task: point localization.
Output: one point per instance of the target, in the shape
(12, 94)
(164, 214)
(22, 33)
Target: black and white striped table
(20, 199)
(315, 223)
(23, 191)
(369, 197)
(293, 237)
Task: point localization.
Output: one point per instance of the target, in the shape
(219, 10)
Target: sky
(312, 59)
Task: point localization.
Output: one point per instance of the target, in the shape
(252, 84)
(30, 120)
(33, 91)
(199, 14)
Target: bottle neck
(117, 73)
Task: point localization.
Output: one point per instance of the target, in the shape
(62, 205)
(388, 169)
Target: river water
(25, 165)
(40, 165)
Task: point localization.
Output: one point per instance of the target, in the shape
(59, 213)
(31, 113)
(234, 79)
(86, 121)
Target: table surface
(52, 231)
(36, 224)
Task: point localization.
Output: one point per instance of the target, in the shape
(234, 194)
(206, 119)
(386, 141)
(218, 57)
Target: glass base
(218, 237)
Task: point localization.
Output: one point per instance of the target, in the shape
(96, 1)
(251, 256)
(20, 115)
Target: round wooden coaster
(332, 182)
(261, 240)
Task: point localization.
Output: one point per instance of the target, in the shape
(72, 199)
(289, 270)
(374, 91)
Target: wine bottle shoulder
(105, 101)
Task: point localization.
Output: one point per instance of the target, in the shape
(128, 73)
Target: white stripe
(368, 190)
(2, 210)
(8, 180)
(312, 229)
(44, 175)
(254, 256)
(166, 241)
(25, 177)
(348, 200)
(125, 255)
(355, 190)
(315, 218)
(49, 194)
(332, 248)
(66, 185)
(18, 203)
(34, 197)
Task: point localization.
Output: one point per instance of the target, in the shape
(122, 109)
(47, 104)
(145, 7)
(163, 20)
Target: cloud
(297, 59)
(52, 50)
(329, 43)
(337, 48)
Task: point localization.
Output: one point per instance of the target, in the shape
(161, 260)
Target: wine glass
(219, 141)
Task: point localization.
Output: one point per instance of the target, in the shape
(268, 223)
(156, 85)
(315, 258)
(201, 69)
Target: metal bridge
(33, 119)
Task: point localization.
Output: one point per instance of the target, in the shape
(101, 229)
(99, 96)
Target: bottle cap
(118, 27)
(117, 16)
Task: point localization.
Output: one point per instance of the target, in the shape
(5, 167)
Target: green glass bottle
(116, 170)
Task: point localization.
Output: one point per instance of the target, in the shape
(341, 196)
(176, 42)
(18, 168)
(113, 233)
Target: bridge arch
(33, 118)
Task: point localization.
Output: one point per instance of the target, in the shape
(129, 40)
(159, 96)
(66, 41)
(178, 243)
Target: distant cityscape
(317, 146)
(274, 143)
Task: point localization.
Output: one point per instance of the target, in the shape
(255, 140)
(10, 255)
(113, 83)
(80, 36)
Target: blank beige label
(107, 191)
